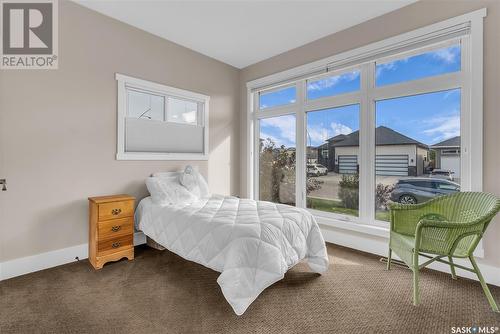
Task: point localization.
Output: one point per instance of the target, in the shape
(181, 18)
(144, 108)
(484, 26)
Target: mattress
(251, 243)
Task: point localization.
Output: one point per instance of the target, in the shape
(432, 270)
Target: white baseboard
(30, 264)
(378, 246)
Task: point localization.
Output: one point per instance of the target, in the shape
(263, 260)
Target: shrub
(349, 191)
(382, 196)
(313, 184)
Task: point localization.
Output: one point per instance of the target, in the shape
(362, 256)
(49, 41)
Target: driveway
(330, 187)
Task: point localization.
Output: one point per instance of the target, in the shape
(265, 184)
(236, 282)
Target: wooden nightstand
(111, 229)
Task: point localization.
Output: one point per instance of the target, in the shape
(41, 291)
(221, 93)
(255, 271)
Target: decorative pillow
(194, 182)
(168, 191)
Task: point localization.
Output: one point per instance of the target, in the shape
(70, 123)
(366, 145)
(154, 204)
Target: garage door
(392, 165)
(451, 163)
(348, 164)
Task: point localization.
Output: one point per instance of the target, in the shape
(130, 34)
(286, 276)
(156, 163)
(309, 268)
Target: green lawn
(335, 206)
(329, 205)
(383, 215)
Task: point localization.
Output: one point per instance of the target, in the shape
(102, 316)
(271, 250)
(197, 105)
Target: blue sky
(428, 118)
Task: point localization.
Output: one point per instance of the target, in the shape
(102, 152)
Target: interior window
(410, 134)
(431, 63)
(158, 122)
(334, 85)
(333, 178)
(278, 97)
(277, 159)
(401, 143)
(145, 105)
(182, 111)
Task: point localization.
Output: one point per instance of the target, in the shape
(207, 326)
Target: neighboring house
(322, 154)
(326, 152)
(312, 155)
(396, 154)
(448, 155)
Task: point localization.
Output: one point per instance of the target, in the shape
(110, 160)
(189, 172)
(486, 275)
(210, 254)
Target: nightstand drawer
(113, 210)
(115, 228)
(114, 245)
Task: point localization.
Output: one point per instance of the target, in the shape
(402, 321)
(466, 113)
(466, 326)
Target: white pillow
(168, 191)
(167, 174)
(194, 182)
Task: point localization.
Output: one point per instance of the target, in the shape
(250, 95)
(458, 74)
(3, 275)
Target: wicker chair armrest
(423, 223)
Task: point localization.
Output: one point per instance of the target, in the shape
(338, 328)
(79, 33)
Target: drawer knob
(116, 212)
(115, 244)
(116, 228)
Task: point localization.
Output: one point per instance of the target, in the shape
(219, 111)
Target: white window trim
(471, 78)
(125, 81)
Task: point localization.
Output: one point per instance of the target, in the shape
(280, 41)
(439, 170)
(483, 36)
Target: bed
(251, 243)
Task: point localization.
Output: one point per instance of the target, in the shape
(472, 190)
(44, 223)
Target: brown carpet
(160, 292)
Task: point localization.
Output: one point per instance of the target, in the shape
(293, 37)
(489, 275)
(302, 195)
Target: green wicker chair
(448, 226)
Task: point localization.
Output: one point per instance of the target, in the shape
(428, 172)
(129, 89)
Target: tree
(277, 169)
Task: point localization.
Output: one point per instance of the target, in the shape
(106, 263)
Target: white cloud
(274, 139)
(284, 127)
(390, 66)
(332, 81)
(443, 127)
(281, 130)
(323, 84)
(340, 129)
(447, 55)
(386, 67)
(316, 135)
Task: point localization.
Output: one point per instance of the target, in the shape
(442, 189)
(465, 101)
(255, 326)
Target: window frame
(469, 80)
(127, 82)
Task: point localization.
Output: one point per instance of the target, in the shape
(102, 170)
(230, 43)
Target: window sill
(370, 230)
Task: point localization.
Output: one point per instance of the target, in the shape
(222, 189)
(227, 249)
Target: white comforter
(252, 243)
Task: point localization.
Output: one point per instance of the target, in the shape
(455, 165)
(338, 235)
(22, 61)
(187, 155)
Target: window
(183, 111)
(406, 130)
(450, 152)
(333, 85)
(334, 187)
(157, 122)
(277, 159)
(427, 64)
(277, 97)
(145, 105)
(398, 120)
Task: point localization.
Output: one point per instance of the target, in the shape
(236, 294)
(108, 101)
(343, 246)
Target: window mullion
(465, 121)
(300, 151)
(367, 145)
(256, 151)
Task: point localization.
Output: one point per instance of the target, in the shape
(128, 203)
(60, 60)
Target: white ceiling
(241, 33)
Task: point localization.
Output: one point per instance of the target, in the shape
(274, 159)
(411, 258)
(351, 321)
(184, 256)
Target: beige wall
(58, 128)
(406, 19)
